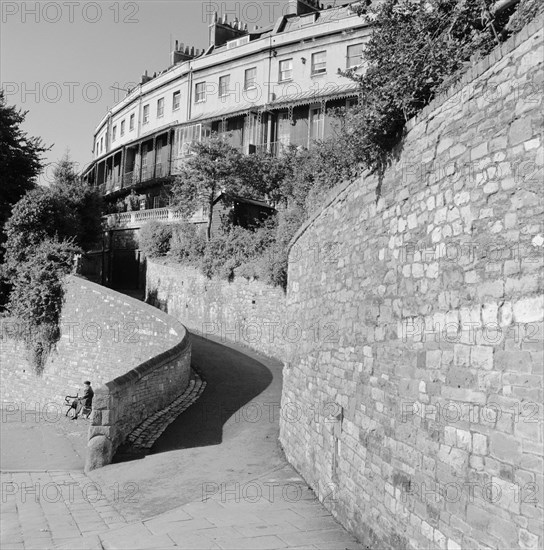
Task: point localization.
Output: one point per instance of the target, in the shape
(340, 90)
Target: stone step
(144, 436)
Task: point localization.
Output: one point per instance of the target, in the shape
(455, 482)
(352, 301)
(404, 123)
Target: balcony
(128, 179)
(137, 218)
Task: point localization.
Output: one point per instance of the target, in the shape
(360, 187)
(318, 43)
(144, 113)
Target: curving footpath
(215, 478)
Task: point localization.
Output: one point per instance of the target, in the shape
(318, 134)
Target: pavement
(215, 478)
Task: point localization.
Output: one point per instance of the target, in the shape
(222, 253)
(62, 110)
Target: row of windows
(122, 128)
(319, 66)
(176, 102)
(196, 132)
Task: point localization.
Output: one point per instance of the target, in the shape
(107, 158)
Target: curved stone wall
(137, 358)
(424, 417)
(245, 312)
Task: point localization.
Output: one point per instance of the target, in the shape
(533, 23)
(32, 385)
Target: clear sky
(59, 59)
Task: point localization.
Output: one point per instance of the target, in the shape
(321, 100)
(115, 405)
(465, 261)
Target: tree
(264, 175)
(67, 210)
(418, 49)
(38, 216)
(215, 166)
(20, 160)
(82, 203)
(47, 227)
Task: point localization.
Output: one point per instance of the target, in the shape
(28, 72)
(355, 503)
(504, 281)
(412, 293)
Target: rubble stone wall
(425, 415)
(412, 327)
(136, 357)
(249, 313)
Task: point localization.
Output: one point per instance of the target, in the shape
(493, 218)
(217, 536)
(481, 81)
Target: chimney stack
(221, 31)
(145, 78)
(183, 53)
(302, 7)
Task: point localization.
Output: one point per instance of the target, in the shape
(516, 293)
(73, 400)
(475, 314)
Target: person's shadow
(233, 380)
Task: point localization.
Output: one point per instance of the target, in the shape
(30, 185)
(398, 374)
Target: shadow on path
(233, 380)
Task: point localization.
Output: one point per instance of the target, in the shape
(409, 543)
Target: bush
(154, 239)
(37, 295)
(188, 244)
(418, 48)
(46, 228)
(228, 251)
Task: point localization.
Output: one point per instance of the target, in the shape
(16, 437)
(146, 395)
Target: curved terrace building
(264, 88)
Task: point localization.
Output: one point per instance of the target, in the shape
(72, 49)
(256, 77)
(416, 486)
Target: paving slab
(215, 479)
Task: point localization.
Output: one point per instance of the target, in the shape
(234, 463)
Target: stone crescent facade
(264, 88)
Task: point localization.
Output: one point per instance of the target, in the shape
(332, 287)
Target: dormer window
(307, 20)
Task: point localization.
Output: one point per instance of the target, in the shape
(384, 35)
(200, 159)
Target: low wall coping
(148, 366)
(103, 439)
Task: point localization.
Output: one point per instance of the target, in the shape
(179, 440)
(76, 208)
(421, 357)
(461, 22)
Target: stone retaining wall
(425, 415)
(137, 358)
(123, 404)
(245, 312)
(412, 329)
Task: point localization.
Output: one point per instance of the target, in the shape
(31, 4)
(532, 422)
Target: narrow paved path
(216, 478)
(227, 436)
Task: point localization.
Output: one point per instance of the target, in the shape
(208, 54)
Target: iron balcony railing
(128, 179)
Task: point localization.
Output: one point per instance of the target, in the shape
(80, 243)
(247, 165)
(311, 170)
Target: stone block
(529, 310)
(99, 452)
(505, 447)
(528, 540)
(481, 357)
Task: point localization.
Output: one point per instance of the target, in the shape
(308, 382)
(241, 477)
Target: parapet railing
(137, 218)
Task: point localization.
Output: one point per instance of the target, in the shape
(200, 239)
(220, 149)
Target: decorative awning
(328, 92)
(226, 112)
(157, 131)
